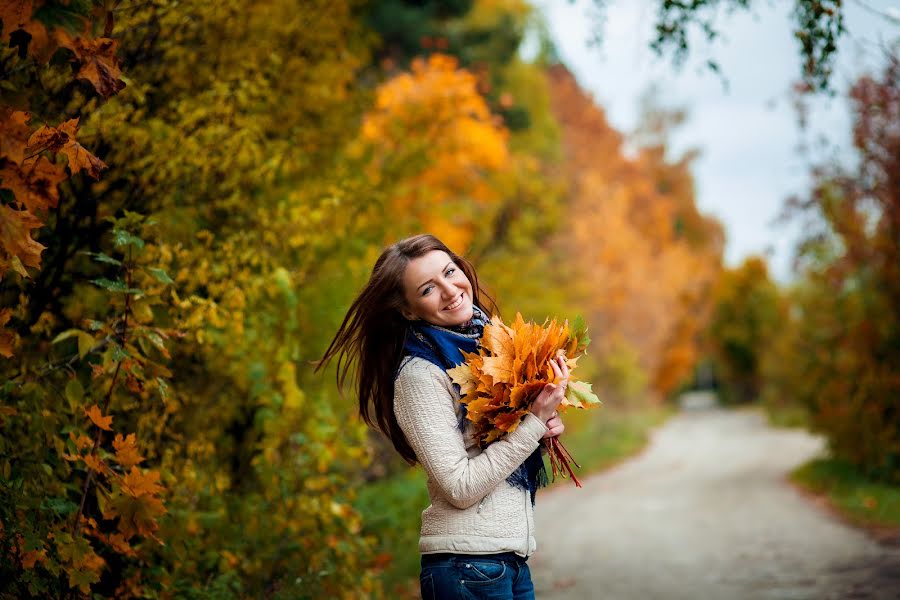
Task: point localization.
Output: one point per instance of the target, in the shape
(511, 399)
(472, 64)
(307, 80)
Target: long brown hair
(369, 343)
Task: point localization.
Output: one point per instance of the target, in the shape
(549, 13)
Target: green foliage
(747, 313)
(862, 500)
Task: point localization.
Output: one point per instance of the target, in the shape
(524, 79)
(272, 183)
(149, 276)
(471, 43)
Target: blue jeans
(503, 576)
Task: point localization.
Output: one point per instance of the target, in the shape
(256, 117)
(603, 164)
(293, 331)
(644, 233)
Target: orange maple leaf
(34, 183)
(135, 483)
(98, 62)
(62, 139)
(94, 463)
(127, 453)
(17, 248)
(94, 414)
(138, 507)
(14, 132)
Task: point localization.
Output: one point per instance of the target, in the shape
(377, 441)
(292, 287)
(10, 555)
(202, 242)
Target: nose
(447, 290)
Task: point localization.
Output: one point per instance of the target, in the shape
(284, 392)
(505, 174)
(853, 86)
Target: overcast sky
(747, 134)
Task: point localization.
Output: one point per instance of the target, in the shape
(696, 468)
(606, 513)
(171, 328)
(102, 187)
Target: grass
(863, 502)
(786, 415)
(391, 507)
(858, 499)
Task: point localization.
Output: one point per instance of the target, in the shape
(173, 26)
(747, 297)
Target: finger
(555, 431)
(565, 367)
(557, 373)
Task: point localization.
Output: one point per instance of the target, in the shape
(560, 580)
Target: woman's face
(437, 290)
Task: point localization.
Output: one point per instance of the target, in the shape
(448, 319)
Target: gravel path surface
(705, 513)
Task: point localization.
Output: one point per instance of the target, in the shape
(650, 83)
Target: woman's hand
(544, 406)
(555, 426)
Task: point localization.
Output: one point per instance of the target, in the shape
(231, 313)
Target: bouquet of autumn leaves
(512, 365)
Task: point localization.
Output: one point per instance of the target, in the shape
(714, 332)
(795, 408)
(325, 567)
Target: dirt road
(705, 513)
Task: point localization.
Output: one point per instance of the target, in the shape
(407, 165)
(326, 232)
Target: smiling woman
(421, 308)
(445, 295)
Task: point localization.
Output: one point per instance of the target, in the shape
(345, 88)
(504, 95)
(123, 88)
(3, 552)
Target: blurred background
(192, 193)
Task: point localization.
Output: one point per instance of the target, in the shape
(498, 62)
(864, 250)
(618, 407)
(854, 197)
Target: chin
(464, 316)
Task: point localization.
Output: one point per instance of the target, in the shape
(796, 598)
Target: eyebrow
(442, 270)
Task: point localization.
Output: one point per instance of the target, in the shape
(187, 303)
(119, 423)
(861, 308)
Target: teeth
(455, 304)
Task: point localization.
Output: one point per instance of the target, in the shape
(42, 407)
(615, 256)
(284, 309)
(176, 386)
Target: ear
(408, 315)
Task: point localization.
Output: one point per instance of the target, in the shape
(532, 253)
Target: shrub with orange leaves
(500, 381)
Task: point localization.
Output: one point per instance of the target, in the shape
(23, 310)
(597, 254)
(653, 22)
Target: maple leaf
(499, 368)
(135, 483)
(498, 339)
(82, 441)
(17, 248)
(508, 421)
(463, 376)
(94, 414)
(523, 395)
(98, 62)
(126, 450)
(94, 463)
(14, 132)
(580, 395)
(138, 507)
(34, 183)
(62, 139)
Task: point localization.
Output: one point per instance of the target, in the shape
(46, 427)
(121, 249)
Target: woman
(421, 307)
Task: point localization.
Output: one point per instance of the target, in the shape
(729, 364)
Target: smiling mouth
(456, 304)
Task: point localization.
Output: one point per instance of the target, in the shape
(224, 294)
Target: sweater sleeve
(425, 411)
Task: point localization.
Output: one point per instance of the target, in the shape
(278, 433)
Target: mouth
(456, 304)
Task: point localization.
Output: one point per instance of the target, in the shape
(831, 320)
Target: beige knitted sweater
(473, 509)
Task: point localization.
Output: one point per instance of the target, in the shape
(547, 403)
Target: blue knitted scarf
(443, 347)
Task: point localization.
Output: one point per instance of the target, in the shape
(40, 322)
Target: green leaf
(124, 238)
(74, 392)
(103, 258)
(160, 275)
(60, 506)
(579, 394)
(116, 286)
(163, 388)
(579, 330)
(86, 343)
(65, 335)
(118, 353)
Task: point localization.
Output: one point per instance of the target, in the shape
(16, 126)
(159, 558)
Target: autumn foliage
(499, 382)
(838, 353)
(192, 192)
(647, 259)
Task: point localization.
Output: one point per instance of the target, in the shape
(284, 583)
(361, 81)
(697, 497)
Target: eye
(450, 271)
(426, 290)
